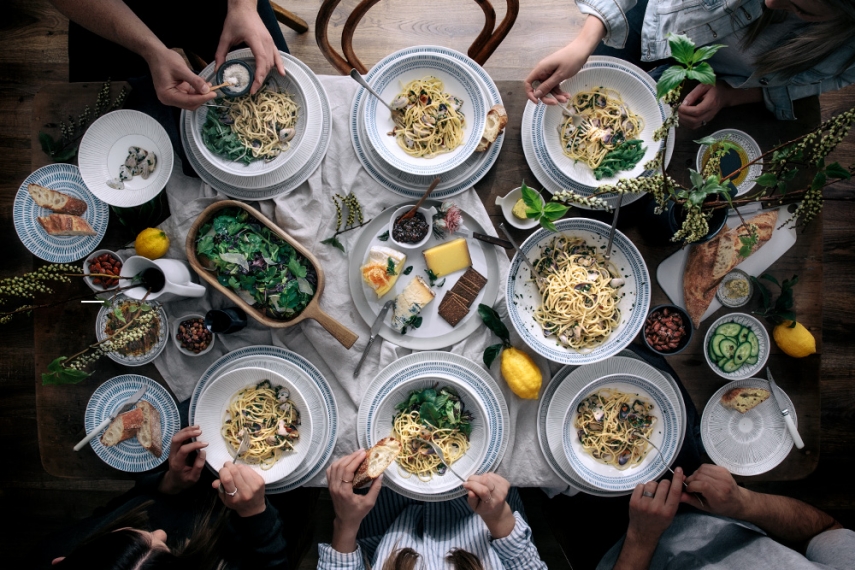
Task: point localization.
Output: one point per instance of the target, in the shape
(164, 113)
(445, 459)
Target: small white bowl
(177, 323)
(426, 212)
(752, 152)
(763, 340)
(507, 203)
(86, 271)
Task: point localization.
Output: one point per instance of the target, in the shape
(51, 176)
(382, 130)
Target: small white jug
(177, 283)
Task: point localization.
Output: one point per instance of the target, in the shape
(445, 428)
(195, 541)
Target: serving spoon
(421, 201)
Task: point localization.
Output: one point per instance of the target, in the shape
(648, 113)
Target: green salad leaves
(262, 268)
(440, 408)
(623, 157)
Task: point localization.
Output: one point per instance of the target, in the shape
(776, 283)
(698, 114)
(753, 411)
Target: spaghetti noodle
(580, 294)
(606, 123)
(269, 417)
(428, 121)
(606, 424)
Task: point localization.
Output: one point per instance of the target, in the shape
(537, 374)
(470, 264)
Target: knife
(484, 237)
(103, 425)
(375, 328)
(779, 398)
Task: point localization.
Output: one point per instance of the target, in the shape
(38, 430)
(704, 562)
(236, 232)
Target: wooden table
(65, 329)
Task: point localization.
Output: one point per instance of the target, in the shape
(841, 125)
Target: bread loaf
(497, 118)
(149, 434)
(65, 225)
(56, 201)
(379, 457)
(743, 399)
(125, 426)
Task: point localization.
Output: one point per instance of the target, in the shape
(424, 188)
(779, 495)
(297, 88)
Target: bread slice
(56, 201)
(65, 225)
(379, 457)
(125, 426)
(497, 118)
(149, 434)
(743, 399)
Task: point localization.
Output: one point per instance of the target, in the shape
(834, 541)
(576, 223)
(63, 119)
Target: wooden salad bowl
(312, 311)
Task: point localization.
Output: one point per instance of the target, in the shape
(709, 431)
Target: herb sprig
(440, 408)
(546, 213)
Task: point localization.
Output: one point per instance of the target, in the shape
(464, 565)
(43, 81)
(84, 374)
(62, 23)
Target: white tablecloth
(308, 214)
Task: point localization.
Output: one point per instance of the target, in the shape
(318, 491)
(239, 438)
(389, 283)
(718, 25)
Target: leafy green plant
(494, 322)
(691, 64)
(440, 408)
(779, 310)
(544, 212)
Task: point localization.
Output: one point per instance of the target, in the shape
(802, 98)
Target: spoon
(421, 201)
(359, 79)
(441, 456)
(608, 254)
(638, 435)
(541, 282)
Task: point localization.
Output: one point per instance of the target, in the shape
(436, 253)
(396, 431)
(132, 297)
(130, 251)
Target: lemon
(796, 342)
(521, 373)
(519, 209)
(152, 243)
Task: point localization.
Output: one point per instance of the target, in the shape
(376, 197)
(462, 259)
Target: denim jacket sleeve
(780, 99)
(613, 15)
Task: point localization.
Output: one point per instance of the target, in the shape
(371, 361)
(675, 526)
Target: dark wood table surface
(65, 329)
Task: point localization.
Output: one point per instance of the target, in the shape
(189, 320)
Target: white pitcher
(176, 276)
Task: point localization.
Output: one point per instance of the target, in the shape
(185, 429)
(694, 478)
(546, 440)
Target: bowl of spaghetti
(268, 408)
(609, 427)
(586, 308)
(440, 114)
(605, 130)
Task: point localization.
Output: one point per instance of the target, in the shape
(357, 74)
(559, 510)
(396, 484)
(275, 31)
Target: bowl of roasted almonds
(667, 330)
(102, 263)
(190, 335)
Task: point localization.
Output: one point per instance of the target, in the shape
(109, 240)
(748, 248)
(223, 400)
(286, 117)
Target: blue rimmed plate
(63, 178)
(479, 393)
(523, 296)
(315, 389)
(130, 455)
(457, 80)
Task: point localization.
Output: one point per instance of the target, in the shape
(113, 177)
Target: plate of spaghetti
(441, 110)
(264, 405)
(587, 308)
(606, 427)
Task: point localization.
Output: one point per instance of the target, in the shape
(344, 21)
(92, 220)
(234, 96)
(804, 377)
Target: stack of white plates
(262, 179)
(540, 123)
(309, 390)
(370, 121)
(559, 442)
(479, 394)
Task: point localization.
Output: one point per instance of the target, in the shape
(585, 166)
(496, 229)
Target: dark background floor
(33, 53)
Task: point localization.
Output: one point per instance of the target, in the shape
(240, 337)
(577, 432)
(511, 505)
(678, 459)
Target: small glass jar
(735, 289)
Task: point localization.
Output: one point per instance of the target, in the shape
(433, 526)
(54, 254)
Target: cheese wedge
(448, 257)
(410, 303)
(376, 273)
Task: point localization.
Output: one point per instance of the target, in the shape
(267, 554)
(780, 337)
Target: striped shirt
(432, 530)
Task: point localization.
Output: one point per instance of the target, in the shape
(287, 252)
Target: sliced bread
(743, 399)
(56, 201)
(125, 426)
(379, 457)
(149, 434)
(497, 118)
(65, 225)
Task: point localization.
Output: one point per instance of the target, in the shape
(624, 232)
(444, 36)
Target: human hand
(185, 467)
(722, 496)
(551, 71)
(487, 497)
(703, 103)
(650, 516)
(241, 489)
(244, 25)
(175, 83)
(350, 508)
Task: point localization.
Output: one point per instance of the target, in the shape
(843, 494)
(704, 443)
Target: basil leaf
(408, 270)
(390, 266)
(384, 236)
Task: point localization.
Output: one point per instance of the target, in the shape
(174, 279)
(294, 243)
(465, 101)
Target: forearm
(592, 33)
(636, 553)
(344, 536)
(503, 525)
(114, 21)
(744, 96)
(788, 520)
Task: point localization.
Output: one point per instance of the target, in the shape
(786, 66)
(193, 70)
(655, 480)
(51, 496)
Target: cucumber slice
(722, 361)
(714, 346)
(751, 360)
(743, 351)
(729, 329)
(743, 335)
(755, 345)
(731, 366)
(727, 347)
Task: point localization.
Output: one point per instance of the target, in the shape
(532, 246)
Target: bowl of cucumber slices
(736, 346)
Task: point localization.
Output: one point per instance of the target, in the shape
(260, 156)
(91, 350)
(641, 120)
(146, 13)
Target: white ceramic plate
(746, 370)
(211, 411)
(454, 181)
(670, 272)
(104, 148)
(457, 80)
(666, 433)
(563, 389)
(434, 332)
(751, 443)
(315, 389)
(477, 390)
(63, 178)
(523, 296)
(752, 152)
(162, 337)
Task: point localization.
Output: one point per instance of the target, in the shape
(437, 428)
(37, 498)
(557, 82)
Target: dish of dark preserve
(411, 230)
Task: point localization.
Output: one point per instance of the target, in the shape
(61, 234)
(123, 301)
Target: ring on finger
(346, 481)
(233, 493)
(647, 494)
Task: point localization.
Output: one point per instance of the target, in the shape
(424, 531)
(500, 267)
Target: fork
(695, 495)
(244, 445)
(441, 456)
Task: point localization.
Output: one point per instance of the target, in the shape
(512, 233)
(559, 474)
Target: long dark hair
(406, 559)
(119, 545)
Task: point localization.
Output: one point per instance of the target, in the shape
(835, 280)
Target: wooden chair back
(480, 50)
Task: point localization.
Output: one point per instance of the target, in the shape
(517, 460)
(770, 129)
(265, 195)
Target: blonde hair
(807, 49)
